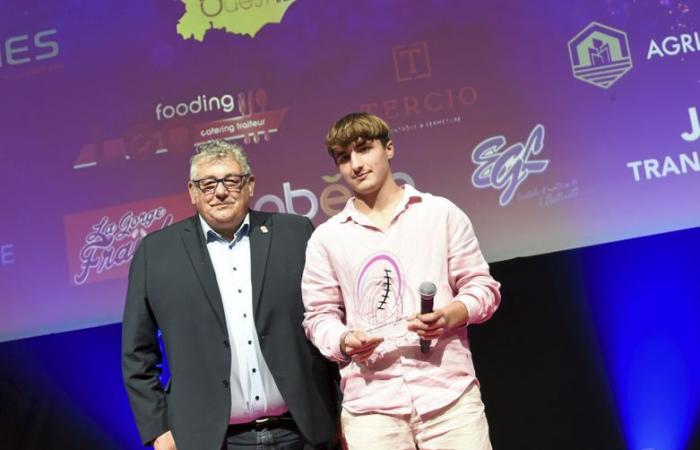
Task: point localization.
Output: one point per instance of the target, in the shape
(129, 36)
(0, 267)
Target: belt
(264, 422)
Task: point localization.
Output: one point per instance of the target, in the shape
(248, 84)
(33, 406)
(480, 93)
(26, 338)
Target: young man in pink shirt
(360, 289)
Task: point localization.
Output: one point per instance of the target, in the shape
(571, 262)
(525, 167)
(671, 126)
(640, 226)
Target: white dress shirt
(254, 393)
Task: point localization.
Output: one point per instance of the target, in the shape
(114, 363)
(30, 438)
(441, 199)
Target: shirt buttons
(240, 291)
(250, 342)
(225, 383)
(245, 315)
(226, 344)
(257, 397)
(255, 370)
(235, 269)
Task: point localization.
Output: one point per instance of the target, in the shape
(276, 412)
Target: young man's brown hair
(357, 128)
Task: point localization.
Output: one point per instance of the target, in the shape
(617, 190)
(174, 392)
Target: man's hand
(359, 346)
(165, 442)
(433, 325)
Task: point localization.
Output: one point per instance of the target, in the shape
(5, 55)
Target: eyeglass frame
(245, 177)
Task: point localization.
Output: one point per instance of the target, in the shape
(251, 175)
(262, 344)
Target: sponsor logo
(505, 168)
(7, 254)
(674, 45)
(678, 164)
(233, 16)
(694, 133)
(600, 55)
(255, 121)
(552, 194)
(412, 62)
(199, 104)
(101, 243)
(429, 102)
(23, 52)
(424, 108)
(176, 132)
(332, 199)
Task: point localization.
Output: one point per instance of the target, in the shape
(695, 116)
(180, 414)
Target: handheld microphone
(427, 292)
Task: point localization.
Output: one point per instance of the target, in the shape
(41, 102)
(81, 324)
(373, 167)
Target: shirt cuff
(333, 348)
(472, 304)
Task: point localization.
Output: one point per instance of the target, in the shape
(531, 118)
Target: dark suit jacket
(172, 287)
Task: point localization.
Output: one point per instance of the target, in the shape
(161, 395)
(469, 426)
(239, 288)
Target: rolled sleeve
(468, 271)
(324, 318)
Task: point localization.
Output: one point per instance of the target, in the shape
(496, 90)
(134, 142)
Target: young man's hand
(358, 346)
(433, 325)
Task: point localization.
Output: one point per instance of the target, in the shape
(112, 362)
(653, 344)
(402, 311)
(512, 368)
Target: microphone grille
(427, 288)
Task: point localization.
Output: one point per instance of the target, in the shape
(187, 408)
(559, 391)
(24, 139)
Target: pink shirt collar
(350, 212)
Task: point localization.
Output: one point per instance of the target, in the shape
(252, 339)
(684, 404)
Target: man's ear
(251, 184)
(191, 189)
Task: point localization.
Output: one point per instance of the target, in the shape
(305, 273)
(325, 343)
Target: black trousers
(280, 436)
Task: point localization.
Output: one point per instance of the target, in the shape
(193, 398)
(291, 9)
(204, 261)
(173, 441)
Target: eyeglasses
(232, 183)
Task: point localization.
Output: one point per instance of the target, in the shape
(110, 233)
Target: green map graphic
(233, 16)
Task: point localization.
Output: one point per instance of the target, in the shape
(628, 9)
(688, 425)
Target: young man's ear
(389, 147)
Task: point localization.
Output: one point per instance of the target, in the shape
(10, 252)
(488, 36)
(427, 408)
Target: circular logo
(379, 289)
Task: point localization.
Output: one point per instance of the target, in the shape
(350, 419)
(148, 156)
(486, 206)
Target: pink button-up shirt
(360, 277)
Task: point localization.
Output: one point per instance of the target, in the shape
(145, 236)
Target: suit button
(225, 382)
(226, 344)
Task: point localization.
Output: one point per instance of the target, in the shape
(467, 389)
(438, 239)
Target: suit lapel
(193, 238)
(260, 234)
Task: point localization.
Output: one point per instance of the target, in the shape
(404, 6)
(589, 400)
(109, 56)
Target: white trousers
(461, 425)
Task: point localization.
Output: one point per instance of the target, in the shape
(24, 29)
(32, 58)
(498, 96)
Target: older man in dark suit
(223, 287)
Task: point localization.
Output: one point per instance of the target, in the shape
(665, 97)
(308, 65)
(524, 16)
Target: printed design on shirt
(379, 288)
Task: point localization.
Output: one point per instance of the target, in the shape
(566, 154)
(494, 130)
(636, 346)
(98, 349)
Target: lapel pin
(264, 229)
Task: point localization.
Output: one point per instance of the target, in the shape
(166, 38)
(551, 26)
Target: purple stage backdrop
(552, 124)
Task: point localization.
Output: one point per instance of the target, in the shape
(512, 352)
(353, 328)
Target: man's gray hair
(216, 150)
